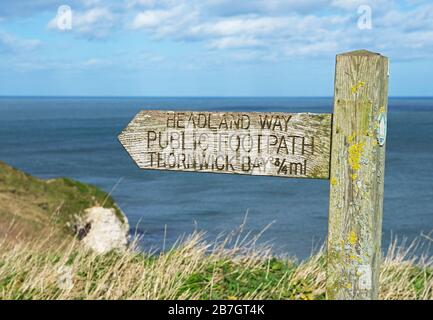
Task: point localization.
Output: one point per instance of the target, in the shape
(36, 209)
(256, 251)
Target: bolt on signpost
(346, 147)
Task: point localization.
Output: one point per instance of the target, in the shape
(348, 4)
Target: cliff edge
(30, 206)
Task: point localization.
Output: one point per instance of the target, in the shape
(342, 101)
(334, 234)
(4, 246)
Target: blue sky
(208, 47)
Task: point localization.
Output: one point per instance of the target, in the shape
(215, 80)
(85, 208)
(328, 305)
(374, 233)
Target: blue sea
(77, 137)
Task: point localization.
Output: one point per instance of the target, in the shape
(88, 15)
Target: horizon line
(186, 96)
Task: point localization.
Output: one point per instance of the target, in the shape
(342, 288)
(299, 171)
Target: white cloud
(235, 42)
(92, 17)
(290, 28)
(91, 3)
(154, 18)
(419, 18)
(126, 61)
(245, 31)
(95, 63)
(143, 3)
(312, 49)
(261, 7)
(241, 25)
(266, 30)
(353, 5)
(96, 22)
(10, 43)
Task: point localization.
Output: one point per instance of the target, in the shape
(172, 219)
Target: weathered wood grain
(267, 144)
(357, 175)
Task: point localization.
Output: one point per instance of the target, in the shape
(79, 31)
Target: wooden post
(357, 175)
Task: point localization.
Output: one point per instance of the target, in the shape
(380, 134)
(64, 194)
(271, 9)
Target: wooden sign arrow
(265, 144)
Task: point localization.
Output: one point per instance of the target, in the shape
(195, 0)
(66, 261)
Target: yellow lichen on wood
(357, 86)
(351, 138)
(333, 181)
(355, 152)
(352, 238)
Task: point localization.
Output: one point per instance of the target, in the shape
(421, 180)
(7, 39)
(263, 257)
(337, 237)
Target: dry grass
(193, 269)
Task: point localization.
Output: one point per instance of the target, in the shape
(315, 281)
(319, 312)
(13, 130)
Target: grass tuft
(193, 269)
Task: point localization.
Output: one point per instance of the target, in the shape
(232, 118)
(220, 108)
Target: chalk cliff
(30, 207)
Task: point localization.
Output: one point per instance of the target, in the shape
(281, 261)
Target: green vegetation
(33, 204)
(191, 270)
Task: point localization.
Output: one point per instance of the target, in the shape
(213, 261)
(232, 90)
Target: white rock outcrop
(105, 232)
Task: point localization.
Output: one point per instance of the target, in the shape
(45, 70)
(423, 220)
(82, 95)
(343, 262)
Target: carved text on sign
(272, 144)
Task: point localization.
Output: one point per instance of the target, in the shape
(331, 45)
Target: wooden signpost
(268, 144)
(347, 147)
